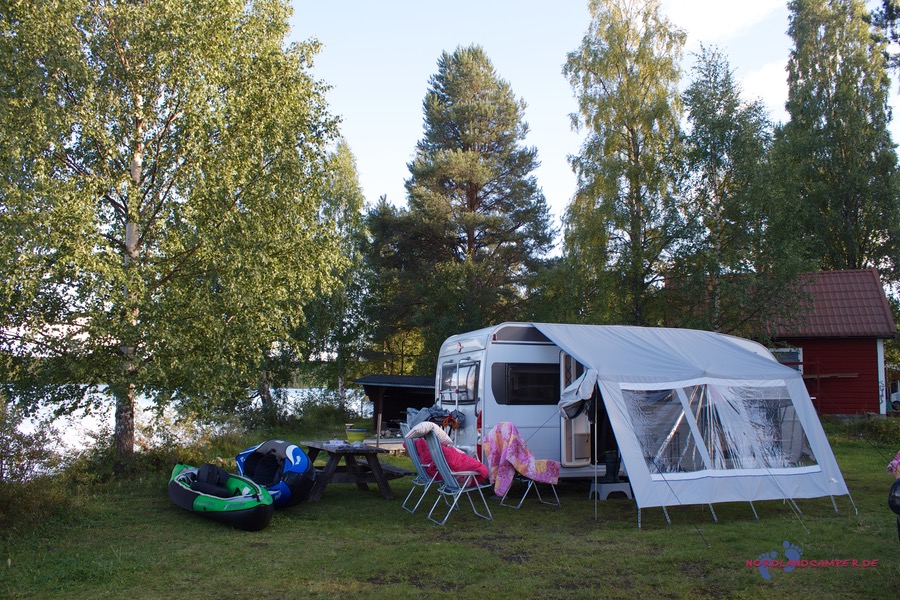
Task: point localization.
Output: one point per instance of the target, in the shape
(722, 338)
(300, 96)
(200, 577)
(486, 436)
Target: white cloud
(716, 21)
(768, 83)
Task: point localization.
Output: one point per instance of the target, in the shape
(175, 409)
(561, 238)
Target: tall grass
(101, 537)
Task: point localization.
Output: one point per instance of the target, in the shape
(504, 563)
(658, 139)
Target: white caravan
(695, 416)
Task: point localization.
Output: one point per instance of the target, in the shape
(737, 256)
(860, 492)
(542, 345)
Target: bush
(25, 455)
(325, 413)
(94, 470)
(879, 430)
(34, 500)
(871, 428)
(253, 415)
(166, 440)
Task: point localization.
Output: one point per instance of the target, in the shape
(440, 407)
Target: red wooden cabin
(838, 343)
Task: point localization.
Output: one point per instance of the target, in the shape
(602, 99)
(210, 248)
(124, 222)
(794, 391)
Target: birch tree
(161, 173)
(623, 224)
(841, 161)
(739, 256)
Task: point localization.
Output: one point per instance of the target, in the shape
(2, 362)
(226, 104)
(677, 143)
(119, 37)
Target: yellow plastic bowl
(356, 435)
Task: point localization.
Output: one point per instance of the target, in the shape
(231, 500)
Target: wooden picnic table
(353, 471)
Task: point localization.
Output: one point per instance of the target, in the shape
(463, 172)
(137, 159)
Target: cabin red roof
(845, 304)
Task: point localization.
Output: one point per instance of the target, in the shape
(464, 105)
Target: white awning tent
(701, 417)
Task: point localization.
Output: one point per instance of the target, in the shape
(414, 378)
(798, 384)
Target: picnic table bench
(353, 470)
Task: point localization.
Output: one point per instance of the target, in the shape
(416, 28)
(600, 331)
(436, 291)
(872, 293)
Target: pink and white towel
(506, 454)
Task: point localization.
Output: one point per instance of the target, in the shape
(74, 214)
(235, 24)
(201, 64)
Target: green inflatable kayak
(215, 493)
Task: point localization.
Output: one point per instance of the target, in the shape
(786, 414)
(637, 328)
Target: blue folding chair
(455, 484)
(422, 479)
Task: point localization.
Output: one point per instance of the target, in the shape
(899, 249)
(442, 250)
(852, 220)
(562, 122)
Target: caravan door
(459, 393)
(575, 434)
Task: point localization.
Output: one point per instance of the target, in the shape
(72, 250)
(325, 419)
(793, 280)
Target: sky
(378, 56)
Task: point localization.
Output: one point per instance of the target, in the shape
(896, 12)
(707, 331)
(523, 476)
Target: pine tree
(474, 204)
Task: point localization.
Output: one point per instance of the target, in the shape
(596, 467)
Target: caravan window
(459, 382)
(525, 383)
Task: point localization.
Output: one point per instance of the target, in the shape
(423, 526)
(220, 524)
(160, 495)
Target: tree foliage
(886, 18)
(736, 263)
(623, 224)
(843, 166)
(162, 168)
(25, 454)
(335, 330)
(393, 260)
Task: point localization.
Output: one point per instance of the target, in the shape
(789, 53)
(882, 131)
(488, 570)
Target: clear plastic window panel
(459, 382)
(663, 431)
(728, 427)
(758, 428)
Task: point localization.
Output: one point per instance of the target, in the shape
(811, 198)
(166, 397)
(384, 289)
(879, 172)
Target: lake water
(79, 430)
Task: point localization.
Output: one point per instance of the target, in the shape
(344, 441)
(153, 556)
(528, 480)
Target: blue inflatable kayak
(282, 468)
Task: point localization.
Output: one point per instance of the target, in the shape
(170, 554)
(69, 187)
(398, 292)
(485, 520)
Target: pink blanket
(507, 454)
(456, 459)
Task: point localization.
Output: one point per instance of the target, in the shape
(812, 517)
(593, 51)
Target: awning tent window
(717, 427)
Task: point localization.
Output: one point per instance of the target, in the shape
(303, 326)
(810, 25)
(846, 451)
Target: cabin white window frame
(797, 364)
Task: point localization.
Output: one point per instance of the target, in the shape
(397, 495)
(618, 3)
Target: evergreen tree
(394, 255)
(474, 204)
(623, 224)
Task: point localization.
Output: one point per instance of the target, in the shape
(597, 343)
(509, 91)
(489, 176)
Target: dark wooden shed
(838, 342)
(393, 394)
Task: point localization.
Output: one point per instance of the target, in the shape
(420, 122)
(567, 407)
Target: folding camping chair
(529, 485)
(510, 461)
(455, 484)
(422, 479)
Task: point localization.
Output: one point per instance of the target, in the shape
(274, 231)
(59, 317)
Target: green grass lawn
(127, 540)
